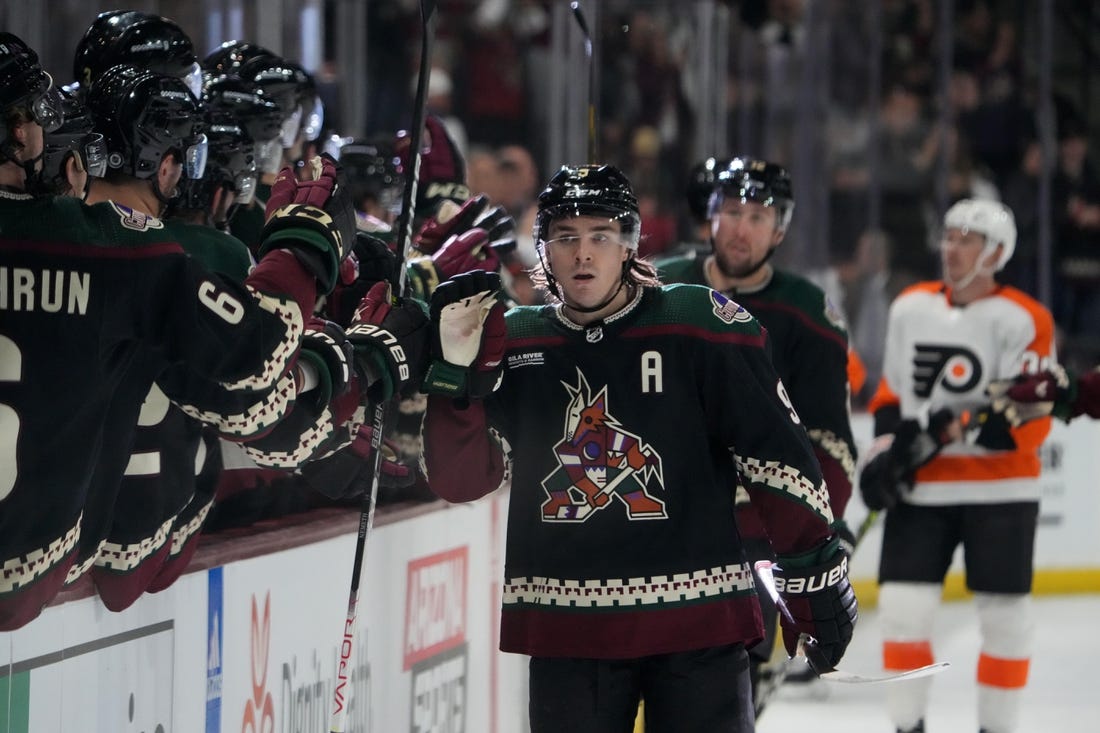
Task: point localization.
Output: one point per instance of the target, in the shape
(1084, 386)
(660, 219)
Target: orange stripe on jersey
(905, 655)
(992, 467)
(1010, 674)
(857, 372)
(883, 397)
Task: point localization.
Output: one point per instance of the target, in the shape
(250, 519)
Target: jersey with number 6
(95, 302)
(626, 439)
(943, 355)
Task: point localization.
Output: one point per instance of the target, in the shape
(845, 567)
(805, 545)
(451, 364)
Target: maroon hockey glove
(820, 603)
(1031, 396)
(442, 168)
(391, 343)
(463, 252)
(449, 222)
(314, 219)
(468, 337)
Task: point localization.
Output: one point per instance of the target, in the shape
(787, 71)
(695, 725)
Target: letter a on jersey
(599, 461)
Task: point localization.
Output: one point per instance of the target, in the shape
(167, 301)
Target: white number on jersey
(11, 370)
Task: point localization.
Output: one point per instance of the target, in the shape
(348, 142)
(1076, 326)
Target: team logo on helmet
(727, 310)
(956, 368)
(599, 460)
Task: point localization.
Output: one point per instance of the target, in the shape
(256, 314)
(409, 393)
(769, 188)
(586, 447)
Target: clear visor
(269, 156)
(193, 80)
(95, 155)
(334, 144)
(47, 109)
(289, 132)
(244, 185)
(313, 119)
(390, 200)
(195, 159)
(557, 226)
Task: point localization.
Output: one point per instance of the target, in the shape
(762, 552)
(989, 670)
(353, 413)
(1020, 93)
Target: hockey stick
(807, 645)
(593, 92)
(370, 500)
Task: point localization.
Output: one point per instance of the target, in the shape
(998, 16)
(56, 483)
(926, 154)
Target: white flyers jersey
(940, 355)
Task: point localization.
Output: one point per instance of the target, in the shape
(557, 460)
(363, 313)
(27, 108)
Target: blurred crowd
(898, 142)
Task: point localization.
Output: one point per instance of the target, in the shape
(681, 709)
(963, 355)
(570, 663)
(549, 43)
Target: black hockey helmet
(144, 115)
(371, 168)
(231, 164)
(589, 190)
(231, 55)
(76, 136)
(313, 110)
(25, 86)
(139, 39)
(229, 95)
(700, 185)
(748, 179)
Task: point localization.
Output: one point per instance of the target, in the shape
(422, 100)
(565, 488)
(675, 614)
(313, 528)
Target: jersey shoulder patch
(700, 306)
(135, 220)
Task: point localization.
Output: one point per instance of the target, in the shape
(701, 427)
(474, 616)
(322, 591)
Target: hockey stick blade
(806, 644)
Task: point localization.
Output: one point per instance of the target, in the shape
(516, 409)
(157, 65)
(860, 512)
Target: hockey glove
(820, 602)
(442, 180)
(461, 253)
(895, 457)
(991, 430)
(314, 219)
(469, 336)
(391, 343)
(370, 262)
(1031, 396)
(326, 349)
(449, 222)
(347, 473)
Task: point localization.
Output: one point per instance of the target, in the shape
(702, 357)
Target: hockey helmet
(992, 219)
(748, 179)
(144, 115)
(589, 190)
(23, 84)
(139, 39)
(701, 185)
(228, 95)
(76, 136)
(231, 164)
(371, 168)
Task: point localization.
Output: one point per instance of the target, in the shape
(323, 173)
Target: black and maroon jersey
(810, 352)
(95, 302)
(626, 440)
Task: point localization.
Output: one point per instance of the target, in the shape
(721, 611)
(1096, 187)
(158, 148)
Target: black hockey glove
(820, 602)
(371, 261)
(348, 473)
(314, 219)
(391, 343)
(468, 337)
(895, 457)
(326, 348)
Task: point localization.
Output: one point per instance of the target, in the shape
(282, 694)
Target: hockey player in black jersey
(629, 412)
(750, 208)
(97, 301)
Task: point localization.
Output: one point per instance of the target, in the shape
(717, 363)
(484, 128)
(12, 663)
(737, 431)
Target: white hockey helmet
(990, 218)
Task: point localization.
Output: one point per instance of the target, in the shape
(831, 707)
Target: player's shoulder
(689, 306)
(1035, 310)
(683, 267)
(919, 296)
(216, 250)
(810, 299)
(525, 321)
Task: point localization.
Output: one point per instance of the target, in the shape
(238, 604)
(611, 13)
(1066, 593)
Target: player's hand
(449, 222)
(391, 342)
(1032, 396)
(370, 261)
(348, 473)
(470, 250)
(314, 219)
(468, 337)
(894, 458)
(442, 181)
(821, 603)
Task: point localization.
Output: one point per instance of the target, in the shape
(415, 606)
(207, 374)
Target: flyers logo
(956, 368)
